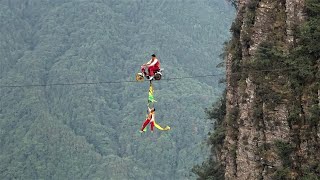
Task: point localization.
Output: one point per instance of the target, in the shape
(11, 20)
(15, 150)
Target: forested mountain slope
(91, 131)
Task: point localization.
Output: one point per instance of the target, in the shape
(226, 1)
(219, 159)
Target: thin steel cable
(133, 81)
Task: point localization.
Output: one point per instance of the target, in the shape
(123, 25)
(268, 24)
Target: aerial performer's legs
(146, 122)
(152, 126)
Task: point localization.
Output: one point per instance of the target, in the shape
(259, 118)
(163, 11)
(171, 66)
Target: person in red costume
(150, 119)
(153, 65)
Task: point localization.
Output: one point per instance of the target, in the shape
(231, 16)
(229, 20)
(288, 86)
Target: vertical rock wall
(253, 126)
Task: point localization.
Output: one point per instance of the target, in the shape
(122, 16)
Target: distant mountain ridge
(91, 131)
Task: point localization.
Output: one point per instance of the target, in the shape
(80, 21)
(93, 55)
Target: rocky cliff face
(272, 116)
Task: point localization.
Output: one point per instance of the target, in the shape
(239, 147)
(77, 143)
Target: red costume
(153, 65)
(150, 120)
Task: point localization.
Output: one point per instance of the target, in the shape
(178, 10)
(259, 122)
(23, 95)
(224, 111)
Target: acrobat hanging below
(151, 119)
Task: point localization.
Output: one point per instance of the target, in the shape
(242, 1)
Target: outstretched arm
(149, 62)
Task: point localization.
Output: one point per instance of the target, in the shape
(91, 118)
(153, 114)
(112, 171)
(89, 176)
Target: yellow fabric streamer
(167, 128)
